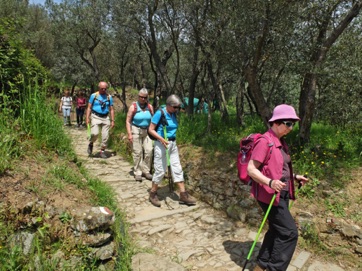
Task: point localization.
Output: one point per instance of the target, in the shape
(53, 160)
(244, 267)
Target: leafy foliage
(39, 120)
(18, 68)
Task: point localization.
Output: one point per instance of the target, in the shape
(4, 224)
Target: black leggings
(80, 114)
(281, 238)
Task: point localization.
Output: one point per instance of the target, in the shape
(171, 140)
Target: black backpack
(162, 121)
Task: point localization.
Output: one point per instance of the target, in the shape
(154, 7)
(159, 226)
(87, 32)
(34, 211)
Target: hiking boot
(148, 176)
(103, 155)
(154, 199)
(187, 199)
(138, 178)
(90, 148)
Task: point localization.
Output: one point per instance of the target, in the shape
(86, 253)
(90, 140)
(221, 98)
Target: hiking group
(143, 124)
(266, 165)
(66, 105)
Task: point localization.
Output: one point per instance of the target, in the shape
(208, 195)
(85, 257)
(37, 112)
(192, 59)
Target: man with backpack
(100, 106)
(138, 119)
(270, 168)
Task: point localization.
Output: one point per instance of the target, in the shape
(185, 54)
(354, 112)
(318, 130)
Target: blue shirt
(97, 103)
(205, 108)
(172, 126)
(142, 118)
(186, 103)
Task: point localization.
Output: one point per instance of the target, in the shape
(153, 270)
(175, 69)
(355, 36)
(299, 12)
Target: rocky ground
(177, 237)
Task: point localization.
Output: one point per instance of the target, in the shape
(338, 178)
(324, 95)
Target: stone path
(176, 237)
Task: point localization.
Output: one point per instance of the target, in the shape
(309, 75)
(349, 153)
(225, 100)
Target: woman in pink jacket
(275, 176)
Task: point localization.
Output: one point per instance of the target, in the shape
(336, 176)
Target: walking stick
(296, 193)
(169, 175)
(89, 131)
(259, 231)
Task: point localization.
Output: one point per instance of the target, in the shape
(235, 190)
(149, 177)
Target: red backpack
(244, 155)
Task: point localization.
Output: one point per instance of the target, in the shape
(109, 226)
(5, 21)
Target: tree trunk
(225, 112)
(256, 94)
(160, 64)
(123, 101)
(240, 104)
(218, 90)
(309, 86)
(306, 106)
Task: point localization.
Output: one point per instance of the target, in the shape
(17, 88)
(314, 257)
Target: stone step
(149, 213)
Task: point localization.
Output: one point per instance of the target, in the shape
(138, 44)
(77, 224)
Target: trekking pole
(89, 131)
(259, 231)
(295, 195)
(170, 182)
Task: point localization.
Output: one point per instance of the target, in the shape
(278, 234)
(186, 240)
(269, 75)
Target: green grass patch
(39, 120)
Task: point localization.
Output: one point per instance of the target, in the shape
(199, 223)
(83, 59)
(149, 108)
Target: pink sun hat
(284, 112)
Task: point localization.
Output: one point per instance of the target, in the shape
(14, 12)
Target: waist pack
(246, 149)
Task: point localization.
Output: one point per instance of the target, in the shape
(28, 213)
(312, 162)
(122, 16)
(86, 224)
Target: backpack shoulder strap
(162, 118)
(134, 109)
(150, 108)
(270, 145)
(95, 97)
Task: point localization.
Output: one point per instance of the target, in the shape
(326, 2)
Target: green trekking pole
(259, 231)
(89, 131)
(170, 182)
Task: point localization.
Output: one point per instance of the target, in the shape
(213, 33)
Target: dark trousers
(281, 238)
(80, 113)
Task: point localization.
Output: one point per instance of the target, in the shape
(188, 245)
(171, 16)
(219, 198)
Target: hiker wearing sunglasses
(275, 176)
(138, 119)
(173, 104)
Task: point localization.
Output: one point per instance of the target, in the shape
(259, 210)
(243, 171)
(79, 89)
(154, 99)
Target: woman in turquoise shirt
(173, 104)
(138, 119)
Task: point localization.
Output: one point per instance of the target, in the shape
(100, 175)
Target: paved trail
(175, 236)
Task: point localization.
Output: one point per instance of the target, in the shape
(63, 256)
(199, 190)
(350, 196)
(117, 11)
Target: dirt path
(177, 237)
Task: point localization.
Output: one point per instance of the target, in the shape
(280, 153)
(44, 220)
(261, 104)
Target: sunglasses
(103, 88)
(143, 97)
(288, 123)
(176, 107)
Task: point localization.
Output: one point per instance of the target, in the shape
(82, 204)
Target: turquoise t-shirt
(205, 108)
(172, 126)
(97, 104)
(186, 103)
(142, 118)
